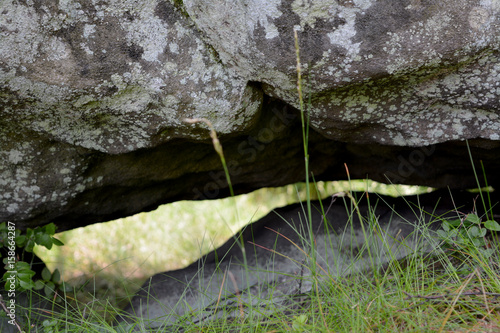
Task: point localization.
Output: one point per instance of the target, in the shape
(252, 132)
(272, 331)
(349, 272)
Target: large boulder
(93, 98)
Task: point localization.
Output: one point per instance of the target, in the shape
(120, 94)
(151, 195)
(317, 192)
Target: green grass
(418, 294)
(453, 291)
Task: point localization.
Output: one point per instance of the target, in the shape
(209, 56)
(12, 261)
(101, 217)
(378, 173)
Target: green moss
(179, 5)
(213, 53)
(165, 132)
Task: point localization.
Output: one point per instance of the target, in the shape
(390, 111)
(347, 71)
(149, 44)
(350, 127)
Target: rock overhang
(89, 91)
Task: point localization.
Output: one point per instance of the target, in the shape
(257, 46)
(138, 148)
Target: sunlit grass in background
(174, 235)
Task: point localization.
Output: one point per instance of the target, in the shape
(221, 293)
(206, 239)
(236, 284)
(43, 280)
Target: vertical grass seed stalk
(305, 139)
(220, 152)
(304, 118)
(217, 146)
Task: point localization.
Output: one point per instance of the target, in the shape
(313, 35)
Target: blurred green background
(129, 250)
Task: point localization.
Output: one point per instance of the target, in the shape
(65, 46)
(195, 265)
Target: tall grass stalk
(220, 152)
(304, 118)
(477, 179)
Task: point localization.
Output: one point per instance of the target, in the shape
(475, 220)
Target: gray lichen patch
(20, 32)
(341, 42)
(37, 176)
(433, 105)
(111, 80)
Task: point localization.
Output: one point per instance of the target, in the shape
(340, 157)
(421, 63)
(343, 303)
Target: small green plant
(298, 323)
(468, 232)
(16, 251)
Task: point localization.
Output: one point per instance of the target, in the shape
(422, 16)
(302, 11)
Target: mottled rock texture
(93, 95)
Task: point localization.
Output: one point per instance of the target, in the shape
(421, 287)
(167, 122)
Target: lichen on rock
(93, 97)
